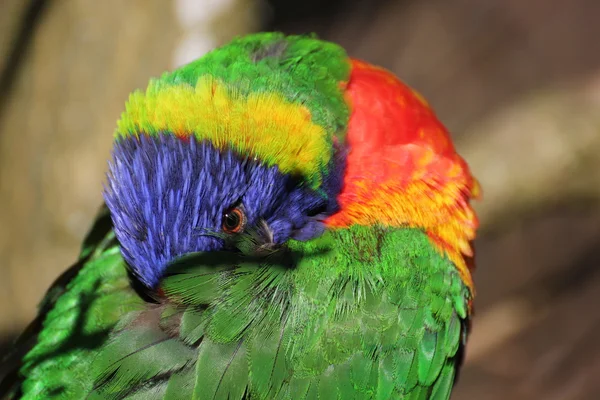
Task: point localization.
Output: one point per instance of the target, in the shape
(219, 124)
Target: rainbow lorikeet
(281, 222)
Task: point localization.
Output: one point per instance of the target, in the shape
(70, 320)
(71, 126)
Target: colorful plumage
(282, 222)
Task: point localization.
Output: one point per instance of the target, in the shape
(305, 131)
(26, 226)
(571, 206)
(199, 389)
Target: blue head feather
(166, 193)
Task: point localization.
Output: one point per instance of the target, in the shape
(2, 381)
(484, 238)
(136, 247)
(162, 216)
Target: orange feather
(402, 168)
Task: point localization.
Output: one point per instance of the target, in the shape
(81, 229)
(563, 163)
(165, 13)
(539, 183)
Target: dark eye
(234, 220)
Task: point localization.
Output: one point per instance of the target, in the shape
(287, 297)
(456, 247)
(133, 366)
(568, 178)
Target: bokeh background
(517, 82)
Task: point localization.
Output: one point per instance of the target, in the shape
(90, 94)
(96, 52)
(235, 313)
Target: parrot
(280, 221)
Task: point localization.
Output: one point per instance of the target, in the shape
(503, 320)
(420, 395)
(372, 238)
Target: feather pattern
(255, 327)
(350, 280)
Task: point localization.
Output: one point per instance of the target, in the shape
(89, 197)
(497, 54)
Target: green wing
(363, 313)
(75, 320)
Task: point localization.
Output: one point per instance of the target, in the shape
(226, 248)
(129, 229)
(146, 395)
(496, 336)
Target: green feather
(268, 362)
(181, 385)
(328, 385)
(298, 388)
(443, 385)
(192, 325)
(221, 371)
(136, 356)
(386, 382)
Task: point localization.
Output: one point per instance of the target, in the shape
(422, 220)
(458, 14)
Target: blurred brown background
(517, 82)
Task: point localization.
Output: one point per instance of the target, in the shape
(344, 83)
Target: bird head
(236, 143)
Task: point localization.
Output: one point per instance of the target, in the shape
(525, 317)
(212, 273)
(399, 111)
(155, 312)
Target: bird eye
(234, 220)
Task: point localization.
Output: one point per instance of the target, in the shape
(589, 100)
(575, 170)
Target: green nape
(304, 69)
(360, 313)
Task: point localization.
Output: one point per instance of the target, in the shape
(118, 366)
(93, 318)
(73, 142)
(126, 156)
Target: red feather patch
(402, 168)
